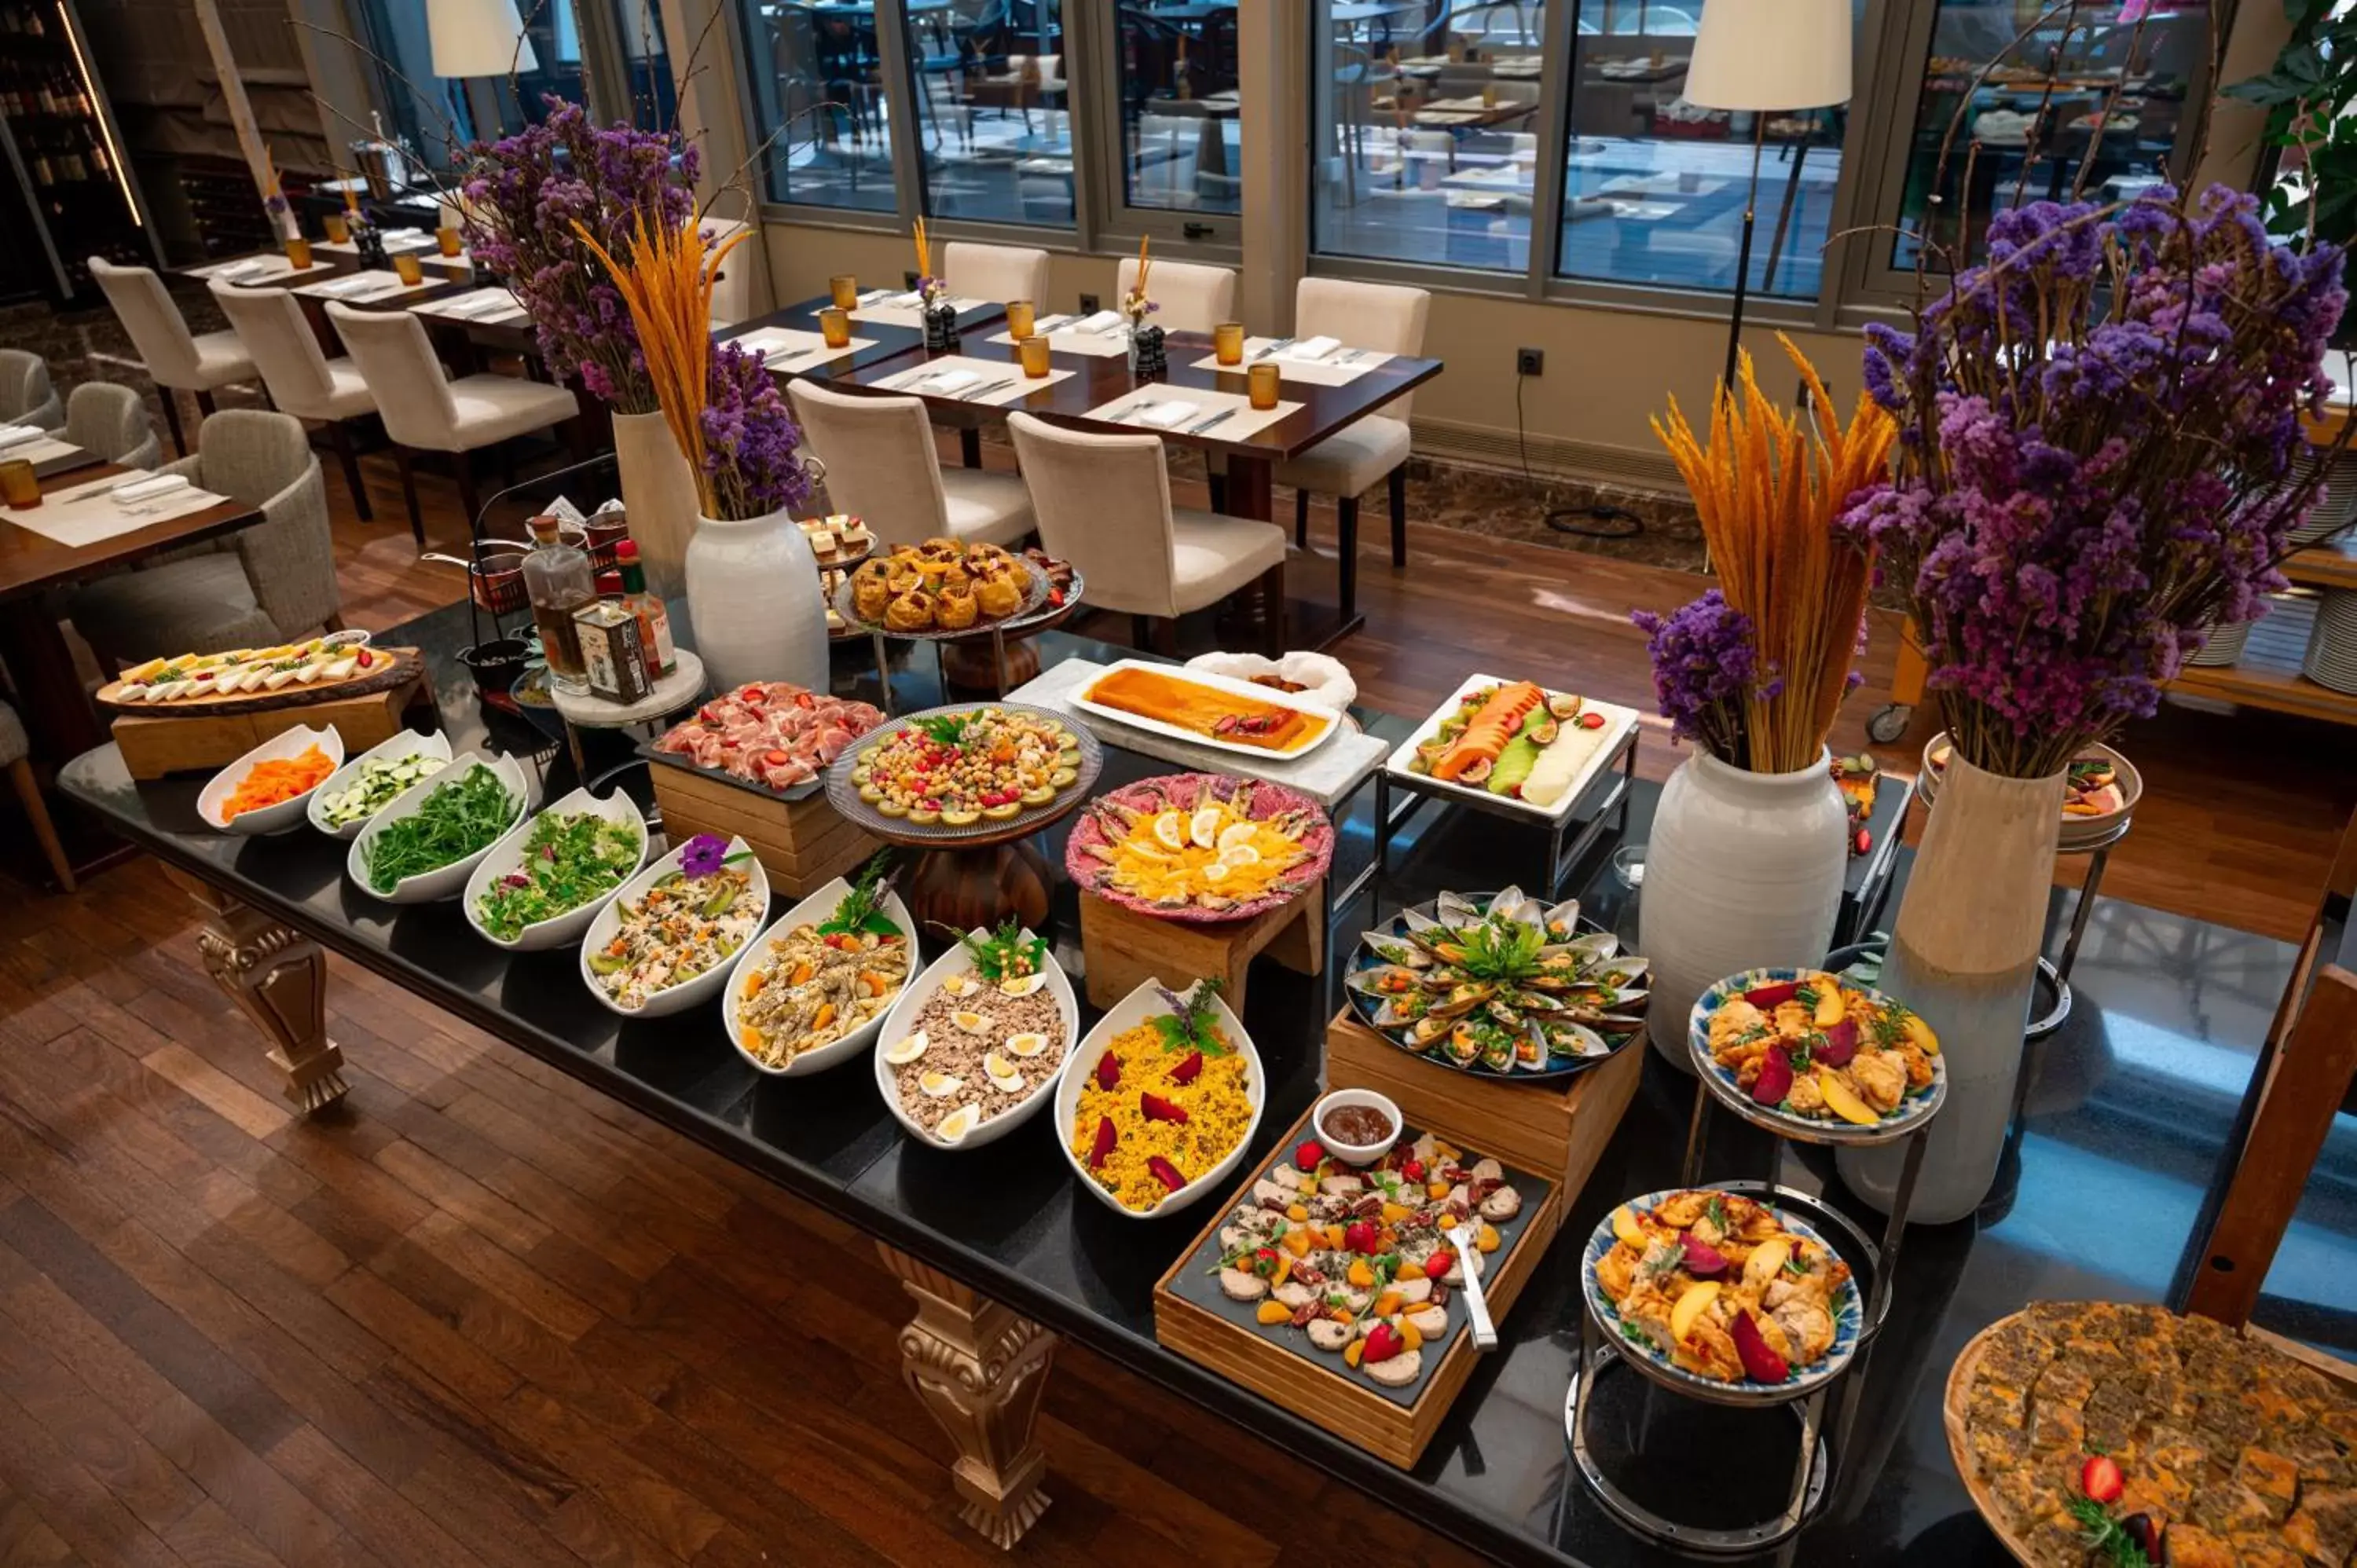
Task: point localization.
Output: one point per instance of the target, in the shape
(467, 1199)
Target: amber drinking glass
(834, 326)
(844, 288)
(299, 252)
(405, 267)
(18, 487)
(1021, 319)
(336, 228)
(450, 239)
(1262, 382)
(1037, 355)
(1228, 342)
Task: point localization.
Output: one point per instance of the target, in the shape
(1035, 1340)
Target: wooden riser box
(153, 746)
(800, 843)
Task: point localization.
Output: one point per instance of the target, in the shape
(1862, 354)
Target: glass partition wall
(993, 111)
(817, 80)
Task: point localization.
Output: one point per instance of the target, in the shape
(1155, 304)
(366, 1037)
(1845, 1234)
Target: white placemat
(895, 307)
(364, 288)
(89, 513)
(1137, 409)
(394, 240)
(481, 307)
(246, 269)
(1098, 335)
(1326, 775)
(962, 376)
(42, 448)
(784, 348)
(1334, 367)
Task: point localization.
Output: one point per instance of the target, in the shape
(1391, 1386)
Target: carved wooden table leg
(280, 979)
(980, 1371)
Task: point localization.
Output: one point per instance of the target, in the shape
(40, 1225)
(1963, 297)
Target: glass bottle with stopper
(558, 580)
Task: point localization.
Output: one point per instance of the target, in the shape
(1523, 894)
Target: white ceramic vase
(658, 494)
(753, 600)
(1742, 870)
(1964, 954)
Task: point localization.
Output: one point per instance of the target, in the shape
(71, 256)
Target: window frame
(1120, 223)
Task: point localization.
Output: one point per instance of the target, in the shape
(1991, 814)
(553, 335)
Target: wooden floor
(480, 1315)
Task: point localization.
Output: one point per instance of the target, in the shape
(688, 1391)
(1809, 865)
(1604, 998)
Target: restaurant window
(646, 63)
(993, 109)
(818, 98)
(2078, 99)
(1427, 132)
(1654, 185)
(1182, 138)
(439, 115)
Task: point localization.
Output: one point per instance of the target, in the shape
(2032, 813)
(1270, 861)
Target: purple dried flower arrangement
(525, 195)
(752, 461)
(1705, 657)
(2099, 427)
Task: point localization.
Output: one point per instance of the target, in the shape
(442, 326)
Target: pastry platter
(256, 679)
(1200, 847)
(940, 590)
(1498, 985)
(1681, 1280)
(2069, 1412)
(1513, 745)
(1224, 712)
(1813, 1057)
(952, 751)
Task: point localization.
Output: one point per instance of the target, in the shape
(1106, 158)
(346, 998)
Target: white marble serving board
(1326, 775)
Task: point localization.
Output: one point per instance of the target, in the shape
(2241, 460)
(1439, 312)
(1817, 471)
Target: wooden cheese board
(389, 667)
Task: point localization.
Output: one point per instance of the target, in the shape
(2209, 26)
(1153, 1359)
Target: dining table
(1091, 383)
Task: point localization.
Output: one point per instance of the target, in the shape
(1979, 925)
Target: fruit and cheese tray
(246, 679)
(1513, 744)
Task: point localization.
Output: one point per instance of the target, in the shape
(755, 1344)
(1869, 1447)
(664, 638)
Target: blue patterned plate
(1911, 1112)
(1848, 1310)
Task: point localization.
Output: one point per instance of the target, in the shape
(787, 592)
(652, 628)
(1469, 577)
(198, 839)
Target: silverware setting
(985, 391)
(1053, 322)
(1272, 348)
(1206, 424)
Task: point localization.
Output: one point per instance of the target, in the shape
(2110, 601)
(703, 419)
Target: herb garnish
(1890, 1026)
(2102, 1533)
(1192, 1023)
(1004, 955)
(457, 818)
(943, 729)
(862, 909)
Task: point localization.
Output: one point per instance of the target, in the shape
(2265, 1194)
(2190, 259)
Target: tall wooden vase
(1964, 955)
(658, 494)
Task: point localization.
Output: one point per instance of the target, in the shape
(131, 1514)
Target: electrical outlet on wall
(1087, 305)
(1529, 361)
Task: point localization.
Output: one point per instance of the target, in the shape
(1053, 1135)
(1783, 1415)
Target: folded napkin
(345, 287)
(1311, 350)
(945, 382)
(238, 270)
(1163, 415)
(147, 489)
(16, 434)
(1102, 321)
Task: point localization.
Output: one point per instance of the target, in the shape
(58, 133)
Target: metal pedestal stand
(1818, 1453)
(2054, 978)
(1417, 794)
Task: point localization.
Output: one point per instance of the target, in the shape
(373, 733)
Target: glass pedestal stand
(1818, 1452)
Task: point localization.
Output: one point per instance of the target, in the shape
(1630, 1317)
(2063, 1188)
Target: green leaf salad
(569, 859)
(458, 817)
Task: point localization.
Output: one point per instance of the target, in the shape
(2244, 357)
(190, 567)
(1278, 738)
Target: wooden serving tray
(155, 743)
(1125, 948)
(1387, 1423)
(1557, 1127)
(800, 842)
(401, 665)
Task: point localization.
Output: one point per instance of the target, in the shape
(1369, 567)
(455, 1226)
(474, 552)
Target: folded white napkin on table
(1310, 349)
(16, 434)
(1102, 321)
(144, 489)
(1163, 415)
(948, 380)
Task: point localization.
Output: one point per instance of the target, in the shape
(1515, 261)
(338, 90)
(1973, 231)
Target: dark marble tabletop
(2127, 1110)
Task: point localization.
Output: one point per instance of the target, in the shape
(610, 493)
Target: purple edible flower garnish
(704, 855)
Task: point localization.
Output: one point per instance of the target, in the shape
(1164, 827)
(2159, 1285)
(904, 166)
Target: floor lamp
(1766, 56)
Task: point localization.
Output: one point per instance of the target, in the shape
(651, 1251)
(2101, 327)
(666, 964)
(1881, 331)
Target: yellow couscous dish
(1158, 1113)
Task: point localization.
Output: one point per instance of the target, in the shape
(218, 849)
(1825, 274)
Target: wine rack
(59, 140)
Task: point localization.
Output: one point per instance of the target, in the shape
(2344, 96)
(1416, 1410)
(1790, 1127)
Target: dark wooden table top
(1098, 379)
(887, 342)
(30, 562)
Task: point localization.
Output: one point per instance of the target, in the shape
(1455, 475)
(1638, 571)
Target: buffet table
(2127, 1108)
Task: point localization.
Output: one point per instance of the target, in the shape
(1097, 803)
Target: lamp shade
(1770, 55)
(477, 38)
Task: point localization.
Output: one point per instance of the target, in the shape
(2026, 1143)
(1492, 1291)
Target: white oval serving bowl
(912, 1000)
(811, 910)
(407, 743)
(1359, 1154)
(508, 854)
(286, 813)
(1125, 1014)
(686, 994)
(447, 881)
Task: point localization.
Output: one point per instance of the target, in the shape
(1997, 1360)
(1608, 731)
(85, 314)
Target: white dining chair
(26, 396)
(110, 423)
(301, 379)
(178, 359)
(425, 411)
(882, 466)
(1191, 297)
(995, 273)
(1103, 504)
(1374, 450)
